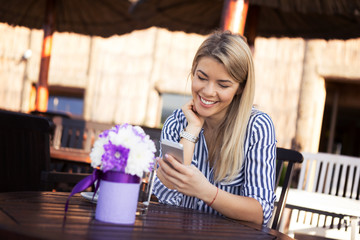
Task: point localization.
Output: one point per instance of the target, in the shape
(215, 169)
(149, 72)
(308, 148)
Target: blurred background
(307, 56)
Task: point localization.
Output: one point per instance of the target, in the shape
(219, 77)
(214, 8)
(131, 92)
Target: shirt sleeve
(259, 164)
(170, 131)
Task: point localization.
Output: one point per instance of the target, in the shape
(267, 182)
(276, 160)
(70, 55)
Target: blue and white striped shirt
(257, 175)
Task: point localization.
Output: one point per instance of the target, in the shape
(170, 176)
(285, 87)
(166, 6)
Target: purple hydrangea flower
(104, 134)
(115, 156)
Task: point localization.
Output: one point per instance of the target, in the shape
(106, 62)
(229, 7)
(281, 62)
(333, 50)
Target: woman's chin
(203, 112)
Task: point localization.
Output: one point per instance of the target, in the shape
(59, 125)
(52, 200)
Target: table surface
(40, 215)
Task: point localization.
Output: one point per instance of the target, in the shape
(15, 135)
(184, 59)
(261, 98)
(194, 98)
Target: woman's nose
(209, 89)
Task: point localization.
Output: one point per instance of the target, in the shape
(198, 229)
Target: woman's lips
(206, 103)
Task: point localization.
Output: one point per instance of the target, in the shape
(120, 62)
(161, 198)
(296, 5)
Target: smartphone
(174, 149)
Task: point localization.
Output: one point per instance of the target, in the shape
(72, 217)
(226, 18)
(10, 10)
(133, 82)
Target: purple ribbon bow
(110, 176)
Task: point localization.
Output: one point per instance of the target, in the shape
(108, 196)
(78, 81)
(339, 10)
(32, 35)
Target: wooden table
(39, 215)
(325, 204)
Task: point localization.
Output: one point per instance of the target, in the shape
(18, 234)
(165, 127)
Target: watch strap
(188, 136)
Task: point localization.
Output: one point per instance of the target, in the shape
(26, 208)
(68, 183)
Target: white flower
(125, 148)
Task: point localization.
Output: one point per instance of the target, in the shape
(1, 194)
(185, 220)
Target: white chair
(329, 174)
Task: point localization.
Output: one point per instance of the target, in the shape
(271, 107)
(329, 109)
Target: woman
(229, 147)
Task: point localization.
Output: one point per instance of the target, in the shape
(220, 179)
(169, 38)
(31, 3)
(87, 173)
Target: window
(171, 102)
(66, 99)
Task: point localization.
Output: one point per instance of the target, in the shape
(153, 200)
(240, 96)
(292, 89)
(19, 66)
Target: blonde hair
(232, 51)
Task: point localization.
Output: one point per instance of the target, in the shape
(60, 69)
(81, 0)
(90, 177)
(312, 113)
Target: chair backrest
(24, 150)
(290, 158)
(77, 133)
(330, 174)
(92, 131)
(81, 134)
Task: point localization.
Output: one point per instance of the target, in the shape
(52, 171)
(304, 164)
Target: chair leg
(285, 222)
(354, 227)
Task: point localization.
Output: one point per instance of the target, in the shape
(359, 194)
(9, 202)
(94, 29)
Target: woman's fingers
(175, 163)
(192, 117)
(167, 168)
(185, 179)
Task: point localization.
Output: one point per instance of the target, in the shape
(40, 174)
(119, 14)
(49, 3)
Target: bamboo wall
(13, 43)
(123, 75)
(278, 70)
(291, 76)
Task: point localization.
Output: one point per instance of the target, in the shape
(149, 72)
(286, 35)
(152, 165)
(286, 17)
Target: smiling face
(213, 89)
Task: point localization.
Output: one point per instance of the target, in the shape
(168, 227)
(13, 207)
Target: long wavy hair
(226, 152)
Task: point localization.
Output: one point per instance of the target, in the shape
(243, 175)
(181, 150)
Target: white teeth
(206, 102)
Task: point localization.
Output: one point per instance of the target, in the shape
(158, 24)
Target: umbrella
(91, 17)
(292, 18)
(191, 16)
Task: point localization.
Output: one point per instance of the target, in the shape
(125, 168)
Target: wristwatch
(188, 136)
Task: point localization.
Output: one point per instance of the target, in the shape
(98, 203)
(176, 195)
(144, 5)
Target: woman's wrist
(188, 136)
(193, 130)
(217, 191)
(211, 194)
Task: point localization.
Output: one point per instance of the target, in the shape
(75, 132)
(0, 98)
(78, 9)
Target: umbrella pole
(234, 15)
(42, 92)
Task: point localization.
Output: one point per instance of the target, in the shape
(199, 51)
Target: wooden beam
(234, 15)
(42, 93)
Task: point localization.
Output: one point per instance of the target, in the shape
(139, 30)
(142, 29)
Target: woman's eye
(223, 86)
(201, 78)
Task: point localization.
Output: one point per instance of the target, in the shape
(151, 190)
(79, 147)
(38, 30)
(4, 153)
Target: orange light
(42, 99)
(32, 100)
(47, 46)
(235, 17)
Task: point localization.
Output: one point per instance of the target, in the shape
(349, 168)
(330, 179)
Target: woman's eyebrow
(225, 81)
(220, 80)
(203, 73)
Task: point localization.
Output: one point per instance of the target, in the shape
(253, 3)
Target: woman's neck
(211, 134)
(212, 124)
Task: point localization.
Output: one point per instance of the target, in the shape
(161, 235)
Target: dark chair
(51, 114)
(283, 157)
(24, 150)
(25, 154)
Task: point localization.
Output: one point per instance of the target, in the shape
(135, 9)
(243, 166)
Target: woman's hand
(186, 179)
(195, 123)
(194, 120)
